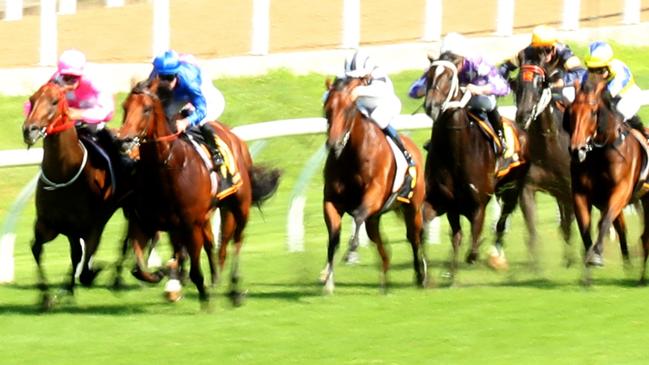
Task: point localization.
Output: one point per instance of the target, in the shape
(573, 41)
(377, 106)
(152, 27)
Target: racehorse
(358, 178)
(76, 193)
(549, 171)
(173, 190)
(609, 169)
(461, 162)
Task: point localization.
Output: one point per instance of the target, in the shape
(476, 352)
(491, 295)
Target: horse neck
(62, 154)
(363, 131)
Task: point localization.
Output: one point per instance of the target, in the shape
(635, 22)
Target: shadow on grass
(108, 310)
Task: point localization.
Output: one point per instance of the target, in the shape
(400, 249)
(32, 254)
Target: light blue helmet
(167, 63)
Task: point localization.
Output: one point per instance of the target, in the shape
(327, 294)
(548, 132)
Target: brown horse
(358, 178)
(549, 171)
(76, 192)
(173, 190)
(461, 162)
(608, 167)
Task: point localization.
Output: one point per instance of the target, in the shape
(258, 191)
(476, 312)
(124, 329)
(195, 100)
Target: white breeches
(380, 110)
(214, 100)
(630, 102)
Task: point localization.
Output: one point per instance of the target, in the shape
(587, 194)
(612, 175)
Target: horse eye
(55, 102)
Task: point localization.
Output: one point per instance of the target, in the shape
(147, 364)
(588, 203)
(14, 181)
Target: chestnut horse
(76, 193)
(549, 171)
(358, 178)
(608, 167)
(461, 161)
(173, 190)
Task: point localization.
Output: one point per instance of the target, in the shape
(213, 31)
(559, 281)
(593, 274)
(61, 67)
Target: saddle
(229, 164)
(405, 178)
(511, 153)
(642, 186)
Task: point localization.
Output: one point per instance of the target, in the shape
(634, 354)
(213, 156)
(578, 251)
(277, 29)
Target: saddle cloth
(228, 163)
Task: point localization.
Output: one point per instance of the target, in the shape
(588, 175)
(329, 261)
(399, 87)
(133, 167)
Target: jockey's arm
(200, 107)
(418, 88)
(100, 110)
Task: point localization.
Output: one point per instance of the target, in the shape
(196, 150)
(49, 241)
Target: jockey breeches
(630, 102)
(380, 110)
(482, 102)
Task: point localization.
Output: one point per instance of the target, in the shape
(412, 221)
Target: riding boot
(392, 133)
(217, 158)
(497, 124)
(636, 123)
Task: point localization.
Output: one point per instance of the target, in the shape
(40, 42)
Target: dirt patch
(217, 28)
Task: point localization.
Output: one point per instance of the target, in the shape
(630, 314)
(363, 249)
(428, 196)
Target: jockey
(90, 103)
(545, 41)
(625, 93)
(196, 101)
(375, 98)
(478, 76)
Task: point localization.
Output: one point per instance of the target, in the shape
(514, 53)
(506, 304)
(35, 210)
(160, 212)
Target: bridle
(143, 137)
(528, 72)
(455, 88)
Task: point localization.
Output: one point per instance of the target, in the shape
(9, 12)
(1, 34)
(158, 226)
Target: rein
(50, 185)
(527, 74)
(455, 87)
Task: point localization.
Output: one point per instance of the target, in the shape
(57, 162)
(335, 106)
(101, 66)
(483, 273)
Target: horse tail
(264, 183)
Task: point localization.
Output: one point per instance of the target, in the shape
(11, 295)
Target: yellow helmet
(600, 55)
(543, 36)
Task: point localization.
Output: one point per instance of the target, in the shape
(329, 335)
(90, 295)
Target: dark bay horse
(76, 194)
(173, 190)
(461, 161)
(358, 178)
(608, 167)
(549, 170)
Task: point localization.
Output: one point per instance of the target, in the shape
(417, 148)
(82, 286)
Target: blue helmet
(167, 63)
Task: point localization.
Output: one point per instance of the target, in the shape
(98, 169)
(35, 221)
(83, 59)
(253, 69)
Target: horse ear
(577, 84)
(328, 83)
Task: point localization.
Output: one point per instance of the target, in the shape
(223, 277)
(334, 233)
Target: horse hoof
(88, 277)
(173, 296)
(596, 260)
(236, 298)
(328, 289)
(48, 303)
(472, 258)
(352, 258)
(498, 263)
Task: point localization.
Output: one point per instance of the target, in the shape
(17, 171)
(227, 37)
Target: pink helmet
(72, 62)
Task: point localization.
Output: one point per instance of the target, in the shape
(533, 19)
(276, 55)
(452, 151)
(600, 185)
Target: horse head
(143, 115)
(48, 114)
(589, 117)
(532, 91)
(442, 84)
(340, 109)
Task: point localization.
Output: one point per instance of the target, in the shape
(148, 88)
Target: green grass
(489, 317)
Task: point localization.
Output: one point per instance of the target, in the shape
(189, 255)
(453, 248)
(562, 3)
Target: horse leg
(332, 217)
(351, 257)
(616, 203)
(374, 233)
(456, 240)
(241, 219)
(582, 213)
(645, 237)
(477, 222)
(139, 239)
(415, 232)
(42, 235)
(566, 217)
(90, 270)
(208, 247)
(620, 227)
(228, 225)
(497, 259)
(528, 207)
(118, 283)
(194, 248)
